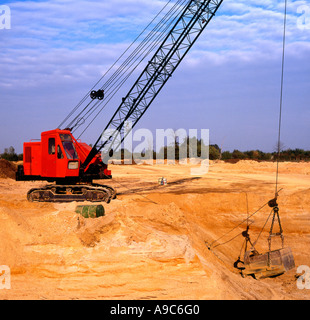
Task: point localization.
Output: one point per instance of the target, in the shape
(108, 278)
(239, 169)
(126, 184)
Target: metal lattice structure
(189, 26)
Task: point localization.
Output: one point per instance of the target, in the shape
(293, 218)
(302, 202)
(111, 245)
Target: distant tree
(226, 155)
(264, 156)
(278, 147)
(9, 154)
(252, 154)
(238, 155)
(214, 152)
(299, 154)
(193, 146)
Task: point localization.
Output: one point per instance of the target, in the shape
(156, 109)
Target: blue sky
(229, 83)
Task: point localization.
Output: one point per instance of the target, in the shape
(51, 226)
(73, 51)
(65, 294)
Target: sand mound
(7, 169)
(153, 242)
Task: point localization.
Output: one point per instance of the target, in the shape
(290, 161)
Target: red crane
(74, 165)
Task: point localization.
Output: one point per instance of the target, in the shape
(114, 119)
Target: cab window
(68, 146)
(69, 150)
(60, 155)
(51, 146)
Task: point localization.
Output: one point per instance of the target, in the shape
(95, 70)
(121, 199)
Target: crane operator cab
(54, 157)
(58, 157)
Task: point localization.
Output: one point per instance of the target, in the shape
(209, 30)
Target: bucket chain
(271, 234)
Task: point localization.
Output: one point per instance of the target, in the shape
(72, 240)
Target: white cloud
(52, 35)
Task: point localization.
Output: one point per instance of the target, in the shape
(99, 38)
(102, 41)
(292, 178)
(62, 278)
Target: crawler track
(69, 193)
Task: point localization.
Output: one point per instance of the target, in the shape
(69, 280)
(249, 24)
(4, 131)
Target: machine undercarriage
(68, 193)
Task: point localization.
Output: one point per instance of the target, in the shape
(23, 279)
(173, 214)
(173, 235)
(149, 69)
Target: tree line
(10, 155)
(284, 155)
(215, 153)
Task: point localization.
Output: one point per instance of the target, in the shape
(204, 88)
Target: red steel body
(57, 156)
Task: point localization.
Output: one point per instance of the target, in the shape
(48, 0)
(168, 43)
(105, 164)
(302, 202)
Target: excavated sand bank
(151, 242)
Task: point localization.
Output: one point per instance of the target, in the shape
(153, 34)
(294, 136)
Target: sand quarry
(151, 243)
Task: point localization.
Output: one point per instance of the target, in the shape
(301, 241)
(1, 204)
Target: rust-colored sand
(151, 242)
(7, 169)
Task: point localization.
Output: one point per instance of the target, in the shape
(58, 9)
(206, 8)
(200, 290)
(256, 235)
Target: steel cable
(121, 81)
(116, 79)
(118, 83)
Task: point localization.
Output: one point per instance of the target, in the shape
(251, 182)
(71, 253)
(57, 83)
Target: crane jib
(191, 23)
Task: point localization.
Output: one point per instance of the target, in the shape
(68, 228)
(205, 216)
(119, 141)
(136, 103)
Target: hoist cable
(117, 88)
(120, 82)
(281, 97)
(144, 41)
(87, 95)
(245, 220)
(263, 227)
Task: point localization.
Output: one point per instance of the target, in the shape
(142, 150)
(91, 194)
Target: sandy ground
(151, 243)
